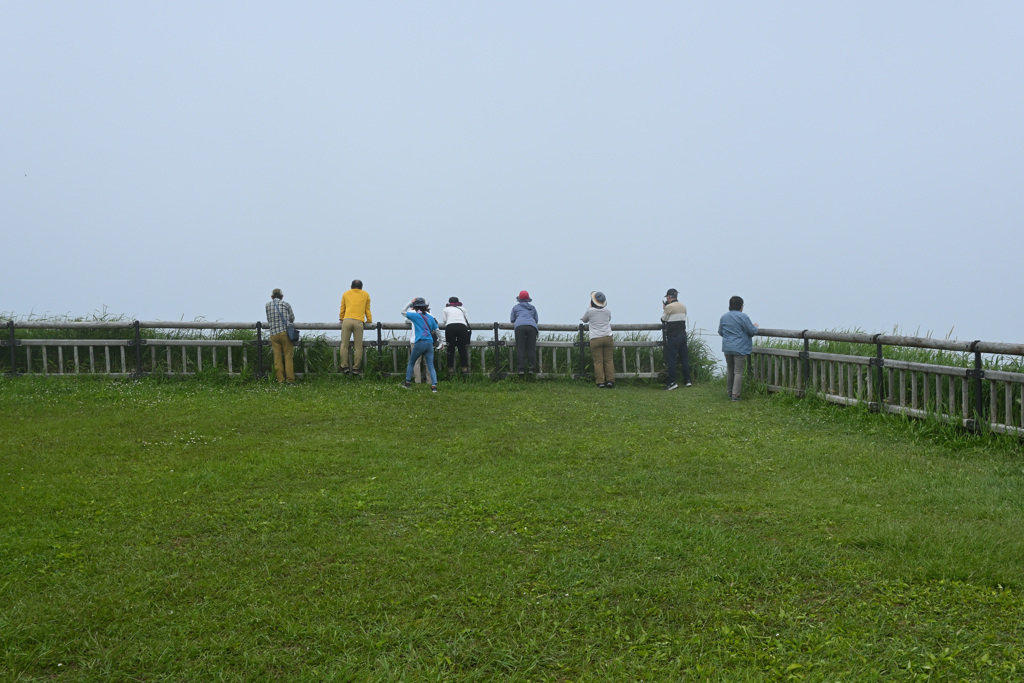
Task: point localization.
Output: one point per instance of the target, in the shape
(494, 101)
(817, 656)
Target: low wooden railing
(137, 350)
(970, 394)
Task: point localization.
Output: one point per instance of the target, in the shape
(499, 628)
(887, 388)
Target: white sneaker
(672, 386)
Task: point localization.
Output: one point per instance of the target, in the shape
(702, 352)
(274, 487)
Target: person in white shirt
(602, 347)
(457, 334)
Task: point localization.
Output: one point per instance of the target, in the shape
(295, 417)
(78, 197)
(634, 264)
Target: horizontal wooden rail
(186, 348)
(999, 348)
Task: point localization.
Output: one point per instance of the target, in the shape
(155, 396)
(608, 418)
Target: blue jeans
(676, 346)
(423, 346)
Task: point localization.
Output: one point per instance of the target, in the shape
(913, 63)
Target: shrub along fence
(943, 379)
(120, 348)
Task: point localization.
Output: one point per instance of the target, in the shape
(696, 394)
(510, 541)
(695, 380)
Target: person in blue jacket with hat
(424, 326)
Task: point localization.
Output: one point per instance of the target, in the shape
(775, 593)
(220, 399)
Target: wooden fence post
(497, 343)
(13, 343)
(137, 343)
(583, 361)
(259, 350)
(879, 363)
(805, 366)
(978, 374)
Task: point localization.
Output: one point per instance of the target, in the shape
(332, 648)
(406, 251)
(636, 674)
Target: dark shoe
(602, 386)
(609, 385)
(735, 398)
(671, 386)
(433, 388)
(344, 371)
(406, 385)
(688, 384)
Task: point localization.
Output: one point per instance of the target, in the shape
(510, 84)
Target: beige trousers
(352, 329)
(602, 350)
(282, 347)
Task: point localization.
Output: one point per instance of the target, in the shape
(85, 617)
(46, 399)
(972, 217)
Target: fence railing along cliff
(955, 382)
(971, 393)
(134, 349)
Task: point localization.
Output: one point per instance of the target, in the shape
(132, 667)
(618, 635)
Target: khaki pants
(352, 328)
(282, 346)
(602, 350)
(734, 373)
(419, 369)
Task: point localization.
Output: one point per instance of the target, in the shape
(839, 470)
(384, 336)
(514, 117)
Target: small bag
(435, 339)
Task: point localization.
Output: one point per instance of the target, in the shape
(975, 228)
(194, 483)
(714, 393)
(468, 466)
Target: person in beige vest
(674, 320)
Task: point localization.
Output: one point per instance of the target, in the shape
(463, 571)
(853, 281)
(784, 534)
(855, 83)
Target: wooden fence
(138, 348)
(970, 393)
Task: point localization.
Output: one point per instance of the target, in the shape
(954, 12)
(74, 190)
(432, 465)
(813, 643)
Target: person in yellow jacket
(355, 309)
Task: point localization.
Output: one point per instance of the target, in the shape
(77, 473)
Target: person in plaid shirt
(278, 313)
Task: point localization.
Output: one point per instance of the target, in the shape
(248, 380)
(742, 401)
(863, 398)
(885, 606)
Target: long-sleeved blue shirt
(422, 324)
(524, 313)
(737, 331)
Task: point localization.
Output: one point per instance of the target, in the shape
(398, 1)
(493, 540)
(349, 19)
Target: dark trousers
(456, 336)
(676, 347)
(526, 347)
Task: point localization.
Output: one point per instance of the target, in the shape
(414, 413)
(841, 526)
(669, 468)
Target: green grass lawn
(353, 530)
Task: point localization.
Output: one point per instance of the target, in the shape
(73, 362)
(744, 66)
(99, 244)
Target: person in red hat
(525, 320)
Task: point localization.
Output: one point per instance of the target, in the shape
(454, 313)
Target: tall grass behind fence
(106, 345)
(975, 384)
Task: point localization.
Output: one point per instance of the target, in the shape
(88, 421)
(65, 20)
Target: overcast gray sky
(839, 165)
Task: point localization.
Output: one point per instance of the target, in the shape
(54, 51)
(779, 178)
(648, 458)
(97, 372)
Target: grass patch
(180, 530)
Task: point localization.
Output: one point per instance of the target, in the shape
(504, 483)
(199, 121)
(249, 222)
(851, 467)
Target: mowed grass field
(523, 531)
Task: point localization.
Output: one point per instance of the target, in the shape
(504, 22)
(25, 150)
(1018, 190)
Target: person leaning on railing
(456, 334)
(279, 313)
(355, 308)
(736, 331)
(602, 346)
(524, 319)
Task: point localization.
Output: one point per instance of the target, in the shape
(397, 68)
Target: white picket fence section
(969, 394)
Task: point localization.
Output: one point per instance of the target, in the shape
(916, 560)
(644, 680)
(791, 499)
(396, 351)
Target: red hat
(524, 296)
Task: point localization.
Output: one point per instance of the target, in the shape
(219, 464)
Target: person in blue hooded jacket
(423, 327)
(525, 320)
(736, 331)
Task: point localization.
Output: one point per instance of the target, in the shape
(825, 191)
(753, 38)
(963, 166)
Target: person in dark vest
(673, 317)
